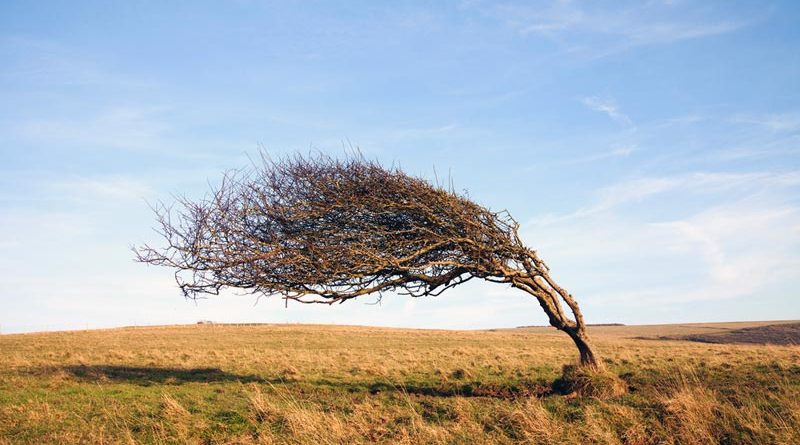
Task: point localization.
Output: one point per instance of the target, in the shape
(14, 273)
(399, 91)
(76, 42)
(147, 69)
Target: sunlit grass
(334, 384)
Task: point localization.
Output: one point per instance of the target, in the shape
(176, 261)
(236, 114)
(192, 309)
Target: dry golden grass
(297, 384)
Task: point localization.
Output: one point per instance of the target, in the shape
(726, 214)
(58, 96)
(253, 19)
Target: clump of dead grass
(584, 381)
(689, 414)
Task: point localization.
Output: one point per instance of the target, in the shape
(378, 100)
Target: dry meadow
(306, 384)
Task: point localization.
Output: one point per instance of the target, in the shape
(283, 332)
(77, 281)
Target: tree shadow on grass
(149, 375)
(146, 376)
(511, 390)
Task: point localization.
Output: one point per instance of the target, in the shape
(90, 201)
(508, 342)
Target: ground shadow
(156, 375)
(148, 375)
(470, 389)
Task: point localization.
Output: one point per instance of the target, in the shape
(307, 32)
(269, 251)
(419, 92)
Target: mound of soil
(776, 334)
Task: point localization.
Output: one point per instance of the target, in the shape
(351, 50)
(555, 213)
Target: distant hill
(777, 334)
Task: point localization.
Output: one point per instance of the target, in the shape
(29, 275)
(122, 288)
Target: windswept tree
(323, 230)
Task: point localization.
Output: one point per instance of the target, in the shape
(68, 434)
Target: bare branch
(322, 230)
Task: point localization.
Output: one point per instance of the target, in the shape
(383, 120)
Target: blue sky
(650, 149)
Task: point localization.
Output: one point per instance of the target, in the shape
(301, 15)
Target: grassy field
(334, 384)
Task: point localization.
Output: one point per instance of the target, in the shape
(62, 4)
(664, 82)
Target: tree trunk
(587, 354)
(549, 294)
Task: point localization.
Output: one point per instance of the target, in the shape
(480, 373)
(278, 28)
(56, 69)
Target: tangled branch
(323, 230)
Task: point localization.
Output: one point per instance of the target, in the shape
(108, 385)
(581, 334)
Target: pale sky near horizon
(650, 149)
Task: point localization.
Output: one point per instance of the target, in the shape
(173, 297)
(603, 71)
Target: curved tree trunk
(549, 294)
(587, 354)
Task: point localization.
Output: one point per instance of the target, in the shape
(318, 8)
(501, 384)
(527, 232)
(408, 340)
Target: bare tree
(321, 230)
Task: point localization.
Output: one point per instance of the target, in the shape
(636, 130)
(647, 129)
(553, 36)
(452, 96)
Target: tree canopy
(318, 229)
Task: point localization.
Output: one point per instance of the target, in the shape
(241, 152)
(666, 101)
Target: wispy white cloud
(757, 149)
(636, 190)
(48, 63)
(620, 152)
(422, 132)
(96, 188)
(116, 128)
(587, 29)
(775, 122)
(608, 107)
(735, 250)
(712, 140)
(744, 246)
(557, 17)
(737, 237)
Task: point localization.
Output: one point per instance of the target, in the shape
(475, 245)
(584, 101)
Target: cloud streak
(637, 190)
(775, 122)
(744, 241)
(111, 188)
(585, 29)
(48, 63)
(607, 107)
(116, 128)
